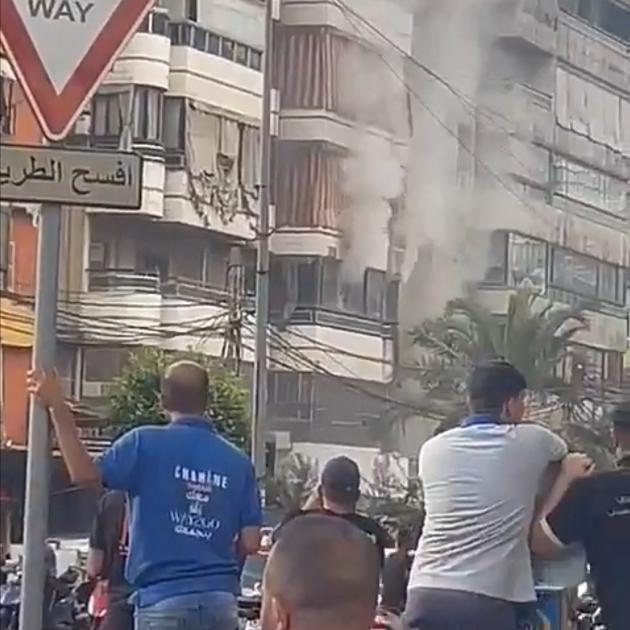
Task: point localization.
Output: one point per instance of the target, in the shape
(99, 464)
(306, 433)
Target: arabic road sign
(62, 49)
(81, 177)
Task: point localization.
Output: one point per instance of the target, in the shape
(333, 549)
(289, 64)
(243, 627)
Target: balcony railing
(192, 289)
(121, 279)
(156, 23)
(195, 36)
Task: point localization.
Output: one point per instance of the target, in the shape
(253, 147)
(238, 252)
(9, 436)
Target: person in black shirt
(337, 495)
(396, 571)
(595, 511)
(106, 559)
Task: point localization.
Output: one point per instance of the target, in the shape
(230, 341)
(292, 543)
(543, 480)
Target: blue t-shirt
(191, 493)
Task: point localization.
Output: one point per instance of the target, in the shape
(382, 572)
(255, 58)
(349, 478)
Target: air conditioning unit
(283, 440)
(96, 389)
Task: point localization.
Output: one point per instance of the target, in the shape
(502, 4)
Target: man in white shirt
(473, 567)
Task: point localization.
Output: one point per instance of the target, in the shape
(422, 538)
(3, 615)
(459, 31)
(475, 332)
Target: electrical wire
(486, 167)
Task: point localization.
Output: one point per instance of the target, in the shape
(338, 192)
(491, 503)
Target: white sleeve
(552, 446)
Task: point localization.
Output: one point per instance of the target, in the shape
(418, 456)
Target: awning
(16, 324)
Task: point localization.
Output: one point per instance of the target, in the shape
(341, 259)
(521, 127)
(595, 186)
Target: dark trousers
(441, 609)
(119, 617)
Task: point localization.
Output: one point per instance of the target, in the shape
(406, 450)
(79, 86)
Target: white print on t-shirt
(197, 486)
(624, 506)
(201, 477)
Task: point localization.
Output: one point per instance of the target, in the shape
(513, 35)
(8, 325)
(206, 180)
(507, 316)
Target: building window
(240, 55)
(107, 120)
(255, 59)
(574, 272)
(496, 272)
(352, 296)
(192, 10)
(290, 394)
(214, 44)
(527, 264)
(147, 120)
(216, 267)
(104, 364)
(586, 276)
(374, 292)
(227, 48)
(182, 34)
(306, 275)
(330, 282)
(200, 39)
(590, 186)
(174, 133)
(609, 288)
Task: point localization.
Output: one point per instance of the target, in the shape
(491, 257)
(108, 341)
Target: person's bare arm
(542, 539)
(95, 561)
(249, 541)
(47, 391)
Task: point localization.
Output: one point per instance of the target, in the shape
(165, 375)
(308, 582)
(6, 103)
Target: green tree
(534, 335)
(135, 397)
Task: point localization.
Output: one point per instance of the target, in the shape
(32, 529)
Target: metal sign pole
(38, 461)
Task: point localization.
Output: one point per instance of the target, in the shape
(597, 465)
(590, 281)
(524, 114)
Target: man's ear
(280, 615)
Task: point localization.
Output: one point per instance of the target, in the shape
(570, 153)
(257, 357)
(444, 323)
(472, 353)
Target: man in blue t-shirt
(195, 508)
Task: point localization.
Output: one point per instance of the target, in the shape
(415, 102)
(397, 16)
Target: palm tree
(534, 335)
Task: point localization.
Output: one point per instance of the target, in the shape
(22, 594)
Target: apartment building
(18, 247)
(539, 146)
(342, 136)
(186, 94)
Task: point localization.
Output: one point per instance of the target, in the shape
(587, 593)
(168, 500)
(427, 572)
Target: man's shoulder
(230, 450)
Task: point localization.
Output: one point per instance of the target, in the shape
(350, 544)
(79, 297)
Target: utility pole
(259, 410)
(38, 459)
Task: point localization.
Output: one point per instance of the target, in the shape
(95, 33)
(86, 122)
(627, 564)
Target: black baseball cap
(341, 475)
(620, 415)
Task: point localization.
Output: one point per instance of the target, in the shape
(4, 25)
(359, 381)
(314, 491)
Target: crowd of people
(182, 512)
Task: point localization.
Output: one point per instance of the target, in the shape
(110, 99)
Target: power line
(459, 141)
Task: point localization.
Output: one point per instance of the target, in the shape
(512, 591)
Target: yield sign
(62, 49)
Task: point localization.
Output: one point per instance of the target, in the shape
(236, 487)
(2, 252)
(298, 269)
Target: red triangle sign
(62, 49)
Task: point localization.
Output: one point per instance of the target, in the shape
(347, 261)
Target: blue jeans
(195, 611)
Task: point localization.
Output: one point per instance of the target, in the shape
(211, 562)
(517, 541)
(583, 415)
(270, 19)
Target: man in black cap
(595, 511)
(337, 495)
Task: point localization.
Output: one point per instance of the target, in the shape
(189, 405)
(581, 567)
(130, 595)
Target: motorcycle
(63, 608)
(588, 614)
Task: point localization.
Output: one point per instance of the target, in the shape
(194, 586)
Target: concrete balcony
(534, 32)
(146, 58)
(343, 344)
(180, 207)
(594, 51)
(216, 70)
(393, 19)
(310, 125)
(120, 306)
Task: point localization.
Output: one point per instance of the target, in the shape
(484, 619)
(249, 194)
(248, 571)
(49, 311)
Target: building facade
(535, 133)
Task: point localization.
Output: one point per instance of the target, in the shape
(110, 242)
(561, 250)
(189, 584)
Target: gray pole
(259, 415)
(38, 462)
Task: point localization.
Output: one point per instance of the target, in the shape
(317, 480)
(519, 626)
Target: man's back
(479, 486)
(596, 513)
(191, 494)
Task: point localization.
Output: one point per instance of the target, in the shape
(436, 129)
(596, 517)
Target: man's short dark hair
(341, 481)
(492, 384)
(185, 388)
(620, 416)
